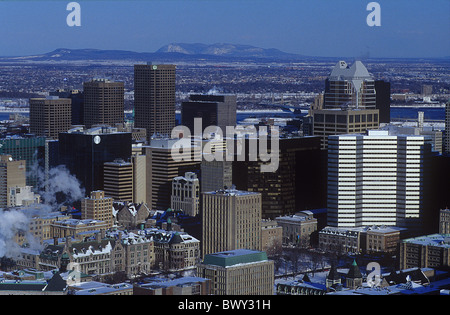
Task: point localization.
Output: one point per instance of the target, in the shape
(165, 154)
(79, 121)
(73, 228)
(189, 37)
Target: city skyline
(409, 29)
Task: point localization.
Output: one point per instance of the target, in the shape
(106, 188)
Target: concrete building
(376, 179)
(98, 207)
(50, 116)
(238, 272)
(118, 180)
(162, 168)
(103, 102)
(154, 98)
(298, 228)
(12, 175)
(186, 194)
(231, 219)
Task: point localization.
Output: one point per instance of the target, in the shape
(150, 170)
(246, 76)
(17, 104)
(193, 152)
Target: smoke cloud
(57, 187)
(11, 223)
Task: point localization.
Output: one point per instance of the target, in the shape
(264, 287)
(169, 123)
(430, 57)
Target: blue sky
(332, 28)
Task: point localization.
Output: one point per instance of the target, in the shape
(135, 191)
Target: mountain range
(170, 51)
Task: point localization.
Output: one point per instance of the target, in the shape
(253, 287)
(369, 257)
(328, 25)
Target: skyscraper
(162, 168)
(103, 102)
(376, 179)
(350, 87)
(297, 184)
(50, 116)
(350, 102)
(154, 98)
(84, 153)
(214, 110)
(447, 128)
(231, 220)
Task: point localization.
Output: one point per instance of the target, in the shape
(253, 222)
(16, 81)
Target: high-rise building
(84, 153)
(186, 194)
(77, 104)
(12, 175)
(103, 102)
(139, 162)
(154, 98)
(330, 122)
(214, 110)
(50, 116)
(118, 180)
(376, 179)
(231, 220)
(447, 128)
(162, 168)
(350, 87)
(238, 272)
(98, 207)
(299, 183)
(383, 100)
(350, 102)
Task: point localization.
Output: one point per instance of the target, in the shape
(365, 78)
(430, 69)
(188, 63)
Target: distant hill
(228, 50)
(168, 52)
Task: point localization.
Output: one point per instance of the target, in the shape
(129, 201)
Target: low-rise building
(179, 286)
(431, 251)
(297, 228)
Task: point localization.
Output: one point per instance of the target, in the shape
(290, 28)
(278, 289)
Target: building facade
(12, 176)
(376, 179)
(350, 102)
(103, 102)
(98, 207)
(85, 151)
(231, 220)
(186, 194)
(162, 168)
(118, 180)
(447, 128)
(444, 221)
(213, 110)
(154, 98)
(50, 116)
(297, 228)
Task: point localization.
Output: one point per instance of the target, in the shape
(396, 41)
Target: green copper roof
(234, 257)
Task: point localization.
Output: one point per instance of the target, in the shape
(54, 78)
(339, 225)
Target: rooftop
(234, 257)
